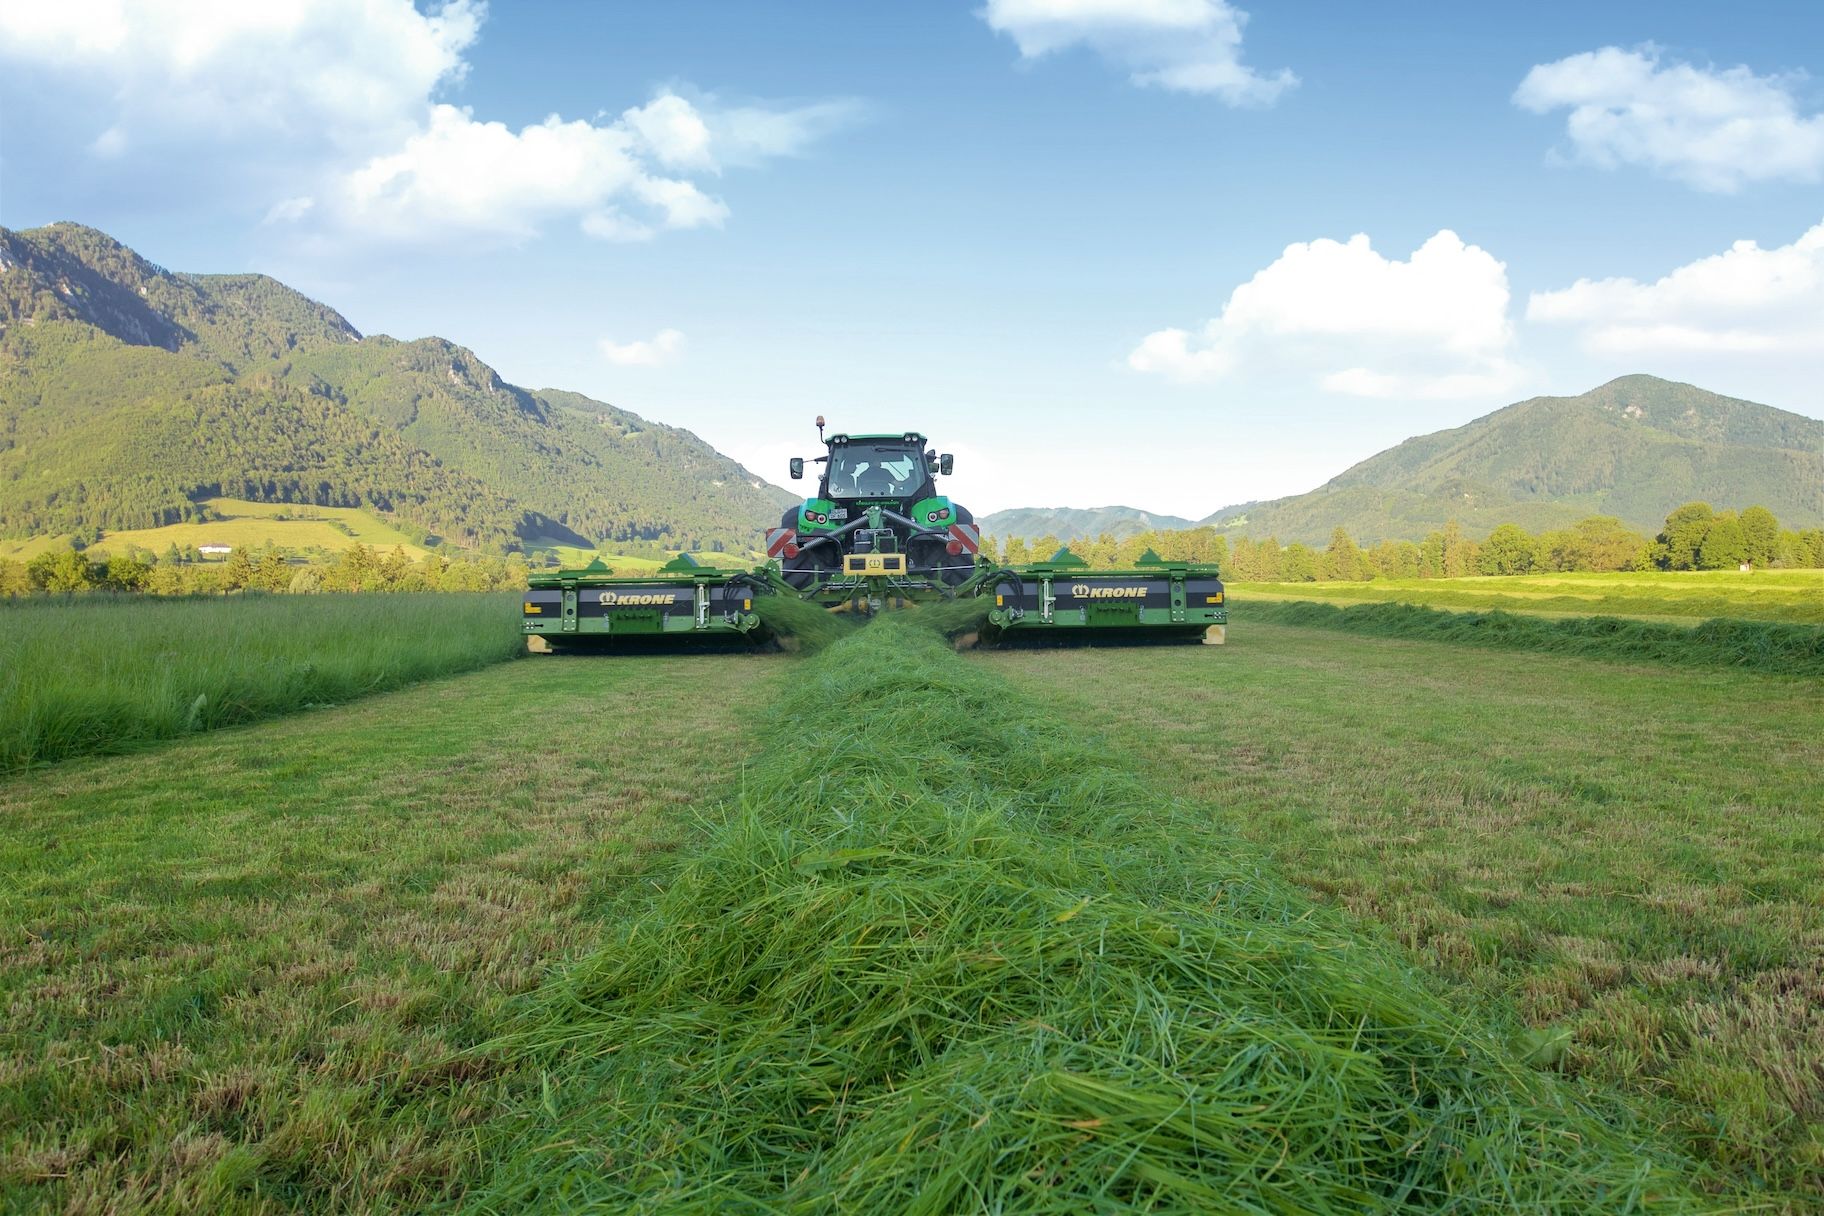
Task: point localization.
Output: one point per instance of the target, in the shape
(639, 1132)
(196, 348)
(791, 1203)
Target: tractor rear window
(863, 471)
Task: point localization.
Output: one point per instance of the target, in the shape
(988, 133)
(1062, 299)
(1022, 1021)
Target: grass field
(939, 925)
(250, 525)
(101, 673)
(238, 973)
(1795, 596)
(1626, 853)
(246, 525)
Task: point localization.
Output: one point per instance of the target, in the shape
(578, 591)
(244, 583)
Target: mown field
(1626, 855)
(1686, 596)
(247, 524)
(1309, 922)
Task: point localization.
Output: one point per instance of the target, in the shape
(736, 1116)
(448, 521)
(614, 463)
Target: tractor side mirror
(797, 468)
(945, 463)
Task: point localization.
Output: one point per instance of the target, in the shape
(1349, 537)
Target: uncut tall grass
(96, 674)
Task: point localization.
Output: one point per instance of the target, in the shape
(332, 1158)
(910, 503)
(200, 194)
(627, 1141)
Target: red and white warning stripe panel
(778, 538)
(967, 536)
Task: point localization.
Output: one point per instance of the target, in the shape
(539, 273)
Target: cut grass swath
(1767, 646)
(801, 624)
(946, 954)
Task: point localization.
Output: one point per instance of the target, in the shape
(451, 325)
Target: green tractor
(877, 535)
(877, 513)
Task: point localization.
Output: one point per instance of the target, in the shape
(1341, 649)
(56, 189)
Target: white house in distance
(215, 550)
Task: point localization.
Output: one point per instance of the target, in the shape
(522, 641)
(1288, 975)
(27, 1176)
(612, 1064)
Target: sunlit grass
(239, 973)
(1770, 595)
(1624, 853)
(95, 673)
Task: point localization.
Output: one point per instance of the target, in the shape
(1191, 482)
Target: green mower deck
(1062, 599)
(1065, 599)
(681, 601)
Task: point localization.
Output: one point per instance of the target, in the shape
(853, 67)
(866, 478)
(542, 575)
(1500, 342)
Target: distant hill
(1634, 448)
(129, 393)
(1069, 523)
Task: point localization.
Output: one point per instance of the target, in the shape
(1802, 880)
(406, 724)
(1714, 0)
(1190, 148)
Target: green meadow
(1319, 920)
(1795, 596)
(98, 673)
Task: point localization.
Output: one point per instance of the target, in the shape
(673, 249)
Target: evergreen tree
(1298, 565)
(237, 571)
(1343, 559)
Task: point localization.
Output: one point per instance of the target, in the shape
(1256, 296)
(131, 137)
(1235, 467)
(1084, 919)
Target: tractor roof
(902, 437)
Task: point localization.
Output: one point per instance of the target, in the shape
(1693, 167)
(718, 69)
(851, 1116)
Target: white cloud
(1434, 326)
(344, 68)
(459, 176)
(1715, 130)
(287, 210)
(663, 348)
(1190, 46)
(1744, 300)
(331, 106)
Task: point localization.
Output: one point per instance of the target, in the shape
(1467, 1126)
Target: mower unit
(1064, 598)
(573, 609)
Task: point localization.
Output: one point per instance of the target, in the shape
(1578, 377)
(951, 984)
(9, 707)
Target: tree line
(359, 568)
(1695, 536)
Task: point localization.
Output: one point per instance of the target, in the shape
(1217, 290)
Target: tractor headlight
(931, 517)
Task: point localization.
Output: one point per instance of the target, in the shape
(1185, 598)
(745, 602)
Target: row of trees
(357, 568)
(1695, 537)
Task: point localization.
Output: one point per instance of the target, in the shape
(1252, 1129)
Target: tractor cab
(878, 468)
(876, 494)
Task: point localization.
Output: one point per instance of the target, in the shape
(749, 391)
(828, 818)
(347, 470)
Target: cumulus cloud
(460, 176)
(1713, 129)
(345, 69)
(1435, 325)
(1190, 46)
(664, 347)
(334, 102)
(1745, 300)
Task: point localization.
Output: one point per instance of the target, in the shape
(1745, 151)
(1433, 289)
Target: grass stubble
(1621, 857)
(244, 972)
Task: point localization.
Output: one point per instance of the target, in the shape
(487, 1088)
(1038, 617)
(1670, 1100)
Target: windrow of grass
(802, 625)
(946, 953)
(90, 674)
(1763, 646)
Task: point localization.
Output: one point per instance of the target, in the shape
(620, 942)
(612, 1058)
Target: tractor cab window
(860, 470)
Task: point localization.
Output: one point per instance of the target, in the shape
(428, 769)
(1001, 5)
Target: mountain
(1634, 448)
(128, 393)
(1068, 523)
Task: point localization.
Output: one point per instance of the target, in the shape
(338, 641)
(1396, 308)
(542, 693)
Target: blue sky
(1100, 250)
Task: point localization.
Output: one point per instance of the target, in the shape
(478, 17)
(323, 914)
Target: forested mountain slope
(1633, 448)
(1031, 523)
(128, 393)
